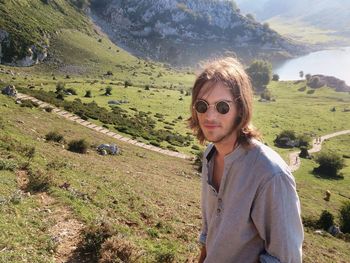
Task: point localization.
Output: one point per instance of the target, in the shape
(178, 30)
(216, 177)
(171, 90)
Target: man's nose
(211, 113)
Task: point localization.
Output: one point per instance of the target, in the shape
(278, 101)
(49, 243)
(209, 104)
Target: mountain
(331, 16)
(184, 32)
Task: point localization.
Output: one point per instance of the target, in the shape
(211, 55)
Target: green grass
(33, 22)
(135, 193)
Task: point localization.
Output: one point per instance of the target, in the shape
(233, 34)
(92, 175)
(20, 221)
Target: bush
(304, 153)
(48, 109)
(88, 94)
(127, 83)
(304, 140)
(116, 249)
(93, 236)
(71, 91)
(78, 146)
(285, 138)
(329, 164)
(302, 89)
(165, 254)
(38, 181)
(108, 91)
(275, 77)
(344, 217)
(266, 95)
(60, 87)
(198, 161)
(29, 104)
(54, 136)
(326, 220)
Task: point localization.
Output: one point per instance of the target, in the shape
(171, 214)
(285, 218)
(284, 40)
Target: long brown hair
(229, 72)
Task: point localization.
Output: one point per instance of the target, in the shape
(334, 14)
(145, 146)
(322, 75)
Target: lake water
(327, 62)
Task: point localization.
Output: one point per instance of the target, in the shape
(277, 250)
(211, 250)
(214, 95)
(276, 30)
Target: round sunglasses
(222, 106)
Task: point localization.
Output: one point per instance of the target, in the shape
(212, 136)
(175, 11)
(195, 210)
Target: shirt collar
(229, 158)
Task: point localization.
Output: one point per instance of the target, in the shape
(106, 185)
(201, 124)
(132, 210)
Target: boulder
(113, 149)
(9, 90)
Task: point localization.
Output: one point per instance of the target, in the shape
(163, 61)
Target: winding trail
(294, 160)
(77, 119)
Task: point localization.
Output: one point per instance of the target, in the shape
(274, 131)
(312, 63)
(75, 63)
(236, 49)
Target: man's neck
(225, 147)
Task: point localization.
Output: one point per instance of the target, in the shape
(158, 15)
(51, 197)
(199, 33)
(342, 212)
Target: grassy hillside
(151, 200)
(36, 21)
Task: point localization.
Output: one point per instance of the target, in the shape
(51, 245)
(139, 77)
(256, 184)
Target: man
(250, 208)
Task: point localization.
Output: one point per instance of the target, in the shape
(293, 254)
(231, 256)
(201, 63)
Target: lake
(327, 62)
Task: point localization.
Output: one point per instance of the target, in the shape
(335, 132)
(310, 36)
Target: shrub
(344, 217)
(78, 146)
(195, 147)
(108, 91)
(311, 91)
(304, 140)
(116, 249)
(198, 161)
(329, 164)
(93, 236)
(38, 181)
(127, 83)
(88, 94)
(29, 104)
(165, 254)
(54, 136)
(275, 77)
(304, 153)
(284, 138)
(60, 87)
(326, 220)
(266, 95)
(71, 91)
(302, 89)
(48, 109)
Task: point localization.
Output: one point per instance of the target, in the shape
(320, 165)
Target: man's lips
(210, 126)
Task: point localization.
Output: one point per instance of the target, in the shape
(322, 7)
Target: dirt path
(294, 160)
(100, 129)
(65, 230)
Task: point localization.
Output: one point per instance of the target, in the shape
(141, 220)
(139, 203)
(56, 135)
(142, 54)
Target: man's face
(217, 127)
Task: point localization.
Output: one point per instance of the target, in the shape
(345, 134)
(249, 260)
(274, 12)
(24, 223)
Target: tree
(275, 77)
(329, 164)
(260, 72)
(308, 77)
(301, 74)
(344, 217)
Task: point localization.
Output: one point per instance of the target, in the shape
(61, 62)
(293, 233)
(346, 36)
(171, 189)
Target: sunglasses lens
(222, 107)
(201, 106)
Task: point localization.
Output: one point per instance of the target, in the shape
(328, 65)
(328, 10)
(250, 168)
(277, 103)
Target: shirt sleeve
(276, 215)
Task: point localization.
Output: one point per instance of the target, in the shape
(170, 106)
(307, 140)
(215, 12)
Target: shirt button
(219, 200)
(218, 210)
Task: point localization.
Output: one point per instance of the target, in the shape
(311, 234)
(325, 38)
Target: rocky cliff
(184, 32)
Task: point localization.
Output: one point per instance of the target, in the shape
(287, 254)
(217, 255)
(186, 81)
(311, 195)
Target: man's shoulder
(267, 160)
